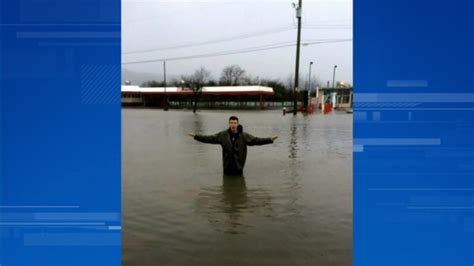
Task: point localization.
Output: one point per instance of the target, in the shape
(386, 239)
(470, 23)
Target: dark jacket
(233, 154)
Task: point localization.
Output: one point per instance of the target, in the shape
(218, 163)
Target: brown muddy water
(293, 206)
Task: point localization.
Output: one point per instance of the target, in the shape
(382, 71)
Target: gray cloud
(191, 33)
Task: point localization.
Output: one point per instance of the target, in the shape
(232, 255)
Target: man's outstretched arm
(251, 140)
(211, 139)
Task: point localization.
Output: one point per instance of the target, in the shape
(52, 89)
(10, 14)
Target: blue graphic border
(60, 132)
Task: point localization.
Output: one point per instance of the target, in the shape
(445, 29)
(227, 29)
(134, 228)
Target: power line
(327, 27)
(245, 36)
(233, 38)
(326, 21)
(245, 50)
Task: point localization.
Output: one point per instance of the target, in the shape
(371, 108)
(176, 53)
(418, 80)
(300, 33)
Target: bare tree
(256, 81)
(195, 82)
(247, 81)
(290, 82)
(305, 85)
(232, 75)
(153, 83)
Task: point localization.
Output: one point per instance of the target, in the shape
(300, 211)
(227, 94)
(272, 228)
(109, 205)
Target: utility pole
(164, 81)
(334, 76)
(298, 40)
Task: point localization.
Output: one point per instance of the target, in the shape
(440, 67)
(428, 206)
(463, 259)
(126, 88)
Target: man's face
(233, 124)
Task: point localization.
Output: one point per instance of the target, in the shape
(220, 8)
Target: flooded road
(293, 206)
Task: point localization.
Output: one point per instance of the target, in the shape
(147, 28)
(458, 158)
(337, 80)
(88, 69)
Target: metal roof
(217, 90)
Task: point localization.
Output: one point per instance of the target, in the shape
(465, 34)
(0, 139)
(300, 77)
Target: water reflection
(234, 193)
(293, 146)
(179, 210)
(197, 128)
(304, 132)
(235, 202)
(291, 188)
(197, 123)
(227, 207)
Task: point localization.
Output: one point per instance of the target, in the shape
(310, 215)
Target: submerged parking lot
(293, 206)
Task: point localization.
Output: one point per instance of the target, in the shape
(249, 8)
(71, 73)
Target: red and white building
(135, 95)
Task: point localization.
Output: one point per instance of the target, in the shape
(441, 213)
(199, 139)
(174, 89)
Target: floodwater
(293, 206)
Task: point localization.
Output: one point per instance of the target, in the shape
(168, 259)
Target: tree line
(233, 75)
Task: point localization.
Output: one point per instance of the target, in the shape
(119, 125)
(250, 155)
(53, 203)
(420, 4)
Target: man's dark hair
(233, 118)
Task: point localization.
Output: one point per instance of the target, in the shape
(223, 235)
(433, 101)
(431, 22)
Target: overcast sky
(187, 33)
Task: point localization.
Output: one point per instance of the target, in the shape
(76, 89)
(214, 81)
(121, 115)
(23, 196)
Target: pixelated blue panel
(60, 132)
(413, 133)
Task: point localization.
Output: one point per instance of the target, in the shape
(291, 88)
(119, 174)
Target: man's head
(234, 124)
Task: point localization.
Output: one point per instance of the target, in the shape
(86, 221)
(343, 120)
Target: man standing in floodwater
(234, 144)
